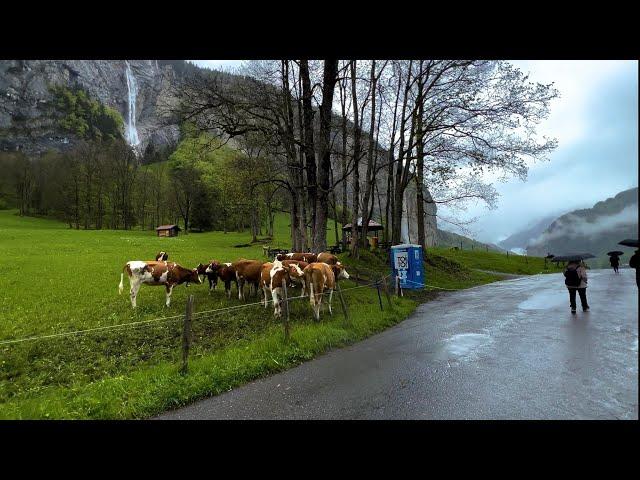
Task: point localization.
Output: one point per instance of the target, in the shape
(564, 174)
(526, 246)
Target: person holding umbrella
(635, 259)
(633, 263)
(614, 260)
(575, 278)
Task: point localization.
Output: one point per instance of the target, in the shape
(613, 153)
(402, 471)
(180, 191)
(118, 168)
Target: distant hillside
(596, 230)
(519, 240)
(450, 239)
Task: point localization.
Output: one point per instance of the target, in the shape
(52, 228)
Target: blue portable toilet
(407, 264)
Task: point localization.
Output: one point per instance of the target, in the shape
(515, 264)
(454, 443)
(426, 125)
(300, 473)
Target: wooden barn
(168, 230)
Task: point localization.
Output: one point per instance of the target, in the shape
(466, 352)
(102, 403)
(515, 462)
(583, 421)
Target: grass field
(58, 280)
(495, 261)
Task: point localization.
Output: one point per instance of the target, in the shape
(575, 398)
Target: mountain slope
(595, 230)
(521, 239)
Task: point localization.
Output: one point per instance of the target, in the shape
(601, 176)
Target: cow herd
(315, 274)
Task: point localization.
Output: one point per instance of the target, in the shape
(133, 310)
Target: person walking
(575, 278)
(614, 260)
(634, 261)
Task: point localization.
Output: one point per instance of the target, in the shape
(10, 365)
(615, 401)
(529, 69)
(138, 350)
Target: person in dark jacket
(634, 261)
(576, 281)
(614, 260)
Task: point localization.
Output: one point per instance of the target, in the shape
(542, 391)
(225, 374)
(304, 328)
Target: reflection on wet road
(508, 350)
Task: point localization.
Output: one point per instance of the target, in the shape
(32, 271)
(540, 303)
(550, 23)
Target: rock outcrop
(25, 120)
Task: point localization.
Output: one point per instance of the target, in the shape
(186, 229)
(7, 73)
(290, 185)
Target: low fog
(576, 226)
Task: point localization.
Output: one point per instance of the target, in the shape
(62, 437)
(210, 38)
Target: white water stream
(132, 89)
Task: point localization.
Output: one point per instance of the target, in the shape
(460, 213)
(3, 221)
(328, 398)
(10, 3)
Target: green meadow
(58, 280)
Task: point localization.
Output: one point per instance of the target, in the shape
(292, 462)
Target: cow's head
(162, 256)
(201, 269)
(339, 271)
(193, 276)
(294, 270)
(212, 266)
(280, 257)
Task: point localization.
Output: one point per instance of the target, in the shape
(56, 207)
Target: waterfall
(132, 89)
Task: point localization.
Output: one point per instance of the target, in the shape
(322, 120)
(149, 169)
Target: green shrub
(84, 116)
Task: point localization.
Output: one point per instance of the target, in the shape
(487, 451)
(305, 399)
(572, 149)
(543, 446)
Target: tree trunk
(324, 150)
(356, 162)
(368, 194)
(420, 166)
(309, 147)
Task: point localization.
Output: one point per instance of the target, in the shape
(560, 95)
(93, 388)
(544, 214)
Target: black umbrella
(630, 242)
(576, 257)
(617, 253)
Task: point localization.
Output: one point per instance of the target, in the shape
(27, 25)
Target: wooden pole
(286, 308)
(186, 335)
(385, 287)
(399, 287)
(342, 302)
(379, 297)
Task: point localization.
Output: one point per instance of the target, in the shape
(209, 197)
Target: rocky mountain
(139, 91)
(134, 88)
(595, 230)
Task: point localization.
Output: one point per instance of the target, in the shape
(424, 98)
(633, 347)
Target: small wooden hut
(374, 228)
(168, 230)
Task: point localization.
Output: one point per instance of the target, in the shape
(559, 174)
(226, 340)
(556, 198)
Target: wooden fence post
(186, 335)
(286, 307)
(379, 297)
(385, 287)
(342, 302)
(398, 287)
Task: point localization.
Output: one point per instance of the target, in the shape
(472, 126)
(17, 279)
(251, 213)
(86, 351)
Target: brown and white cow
(162, 257)
(320, 278)
(168, 274)
(227, 274)
(247, 271)
(303, 257)
(328, 258)
(271, 277)
(339, 271)
(296, 275)
(210, 271)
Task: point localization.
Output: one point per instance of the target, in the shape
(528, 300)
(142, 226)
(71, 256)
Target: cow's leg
(330, 297)
(227, 288)
(264, 290)
(211, 286)
(133, 293)
(277, 309)
(240, 284)
(169, 291)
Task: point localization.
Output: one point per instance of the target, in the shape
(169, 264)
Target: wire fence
(196, 315)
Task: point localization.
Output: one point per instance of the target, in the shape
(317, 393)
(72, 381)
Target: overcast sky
(596, 123)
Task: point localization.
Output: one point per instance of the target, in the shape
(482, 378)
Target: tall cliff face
(25, 98)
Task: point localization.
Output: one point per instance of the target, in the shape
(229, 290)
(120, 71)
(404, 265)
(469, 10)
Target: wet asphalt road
(509, 350)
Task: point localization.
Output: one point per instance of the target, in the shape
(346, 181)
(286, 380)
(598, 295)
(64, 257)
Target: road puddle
(464, 346)
(546, 300)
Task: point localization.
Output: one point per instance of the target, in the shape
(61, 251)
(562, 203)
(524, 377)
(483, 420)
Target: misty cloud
(574, 226)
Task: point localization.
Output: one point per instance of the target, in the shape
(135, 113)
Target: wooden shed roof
(168, 227)
(373, 225)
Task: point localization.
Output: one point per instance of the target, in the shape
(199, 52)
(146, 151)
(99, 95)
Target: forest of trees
(325, 125)
(309, 138)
